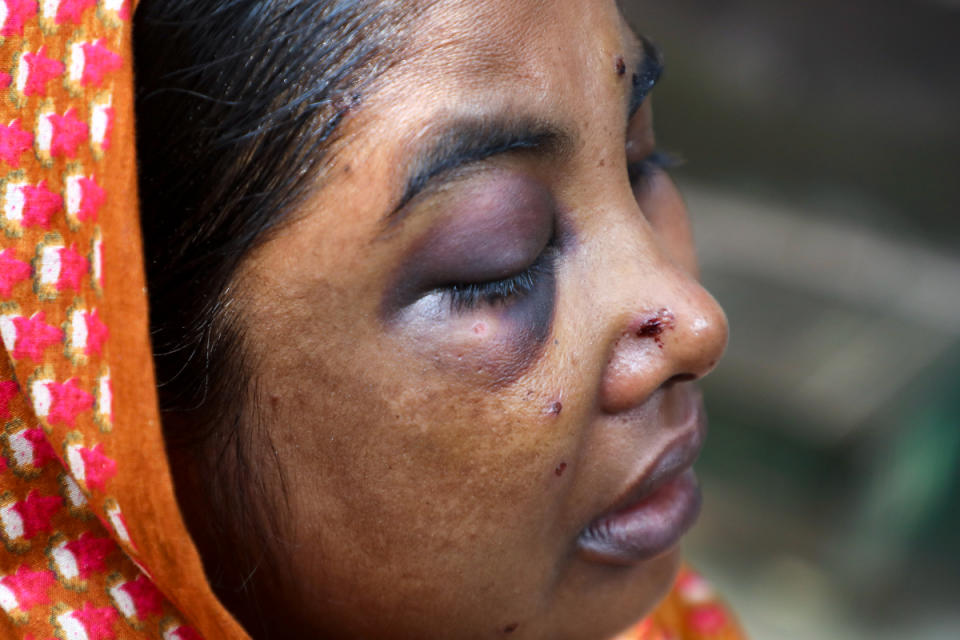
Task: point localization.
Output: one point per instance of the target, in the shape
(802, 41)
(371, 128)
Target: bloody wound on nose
(655, 326)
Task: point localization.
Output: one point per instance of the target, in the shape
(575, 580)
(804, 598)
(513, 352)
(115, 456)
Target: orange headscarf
(94, 546)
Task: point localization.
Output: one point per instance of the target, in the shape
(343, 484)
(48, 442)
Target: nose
(674, 331)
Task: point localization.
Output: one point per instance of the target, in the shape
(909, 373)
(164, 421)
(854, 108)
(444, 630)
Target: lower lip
(646, 529)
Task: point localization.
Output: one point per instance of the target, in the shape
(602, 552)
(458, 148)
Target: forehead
(550, 59)
(525, 38)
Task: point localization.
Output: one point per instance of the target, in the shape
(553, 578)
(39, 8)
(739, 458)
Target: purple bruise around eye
(491, 228)
(487, 229)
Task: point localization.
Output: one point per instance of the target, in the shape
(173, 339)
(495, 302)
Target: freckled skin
(429, 495)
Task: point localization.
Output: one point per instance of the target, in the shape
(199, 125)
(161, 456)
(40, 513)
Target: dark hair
(239, 104)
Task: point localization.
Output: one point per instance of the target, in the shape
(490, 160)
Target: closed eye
(466, 296)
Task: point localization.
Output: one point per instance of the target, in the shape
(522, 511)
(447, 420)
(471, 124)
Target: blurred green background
(822, 142)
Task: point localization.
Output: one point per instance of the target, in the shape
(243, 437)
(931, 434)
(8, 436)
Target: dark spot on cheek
(621, 66)
(655, 326)
(560, 469)
(510, 628)
(555, 408)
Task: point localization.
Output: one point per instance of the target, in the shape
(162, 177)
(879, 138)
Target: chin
(601, 601)
(669, 566)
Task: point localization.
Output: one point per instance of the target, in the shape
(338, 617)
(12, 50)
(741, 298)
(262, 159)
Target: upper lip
(675, 458)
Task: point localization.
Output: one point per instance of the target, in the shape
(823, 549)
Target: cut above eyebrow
(467, 141)
(646, 76)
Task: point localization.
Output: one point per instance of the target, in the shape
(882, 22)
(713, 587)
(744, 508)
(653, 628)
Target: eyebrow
(467, 141)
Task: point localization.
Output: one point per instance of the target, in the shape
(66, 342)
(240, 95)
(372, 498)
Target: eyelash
(640, 173)
(470, 295)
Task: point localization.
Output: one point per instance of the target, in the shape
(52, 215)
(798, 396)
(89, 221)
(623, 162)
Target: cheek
(412, 476)
(491, 346)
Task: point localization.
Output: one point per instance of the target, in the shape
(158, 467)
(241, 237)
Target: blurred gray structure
(823, 176)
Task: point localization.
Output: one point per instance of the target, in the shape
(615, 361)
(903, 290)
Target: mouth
(658, 508)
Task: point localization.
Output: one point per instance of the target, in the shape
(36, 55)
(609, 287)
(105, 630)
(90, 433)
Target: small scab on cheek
(560, 469)
(510, 628)
(554, 408)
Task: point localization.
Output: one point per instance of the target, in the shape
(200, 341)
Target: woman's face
(474, 349)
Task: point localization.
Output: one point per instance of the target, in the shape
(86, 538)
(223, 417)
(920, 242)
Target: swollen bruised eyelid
(491, 345)
(486, 231)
